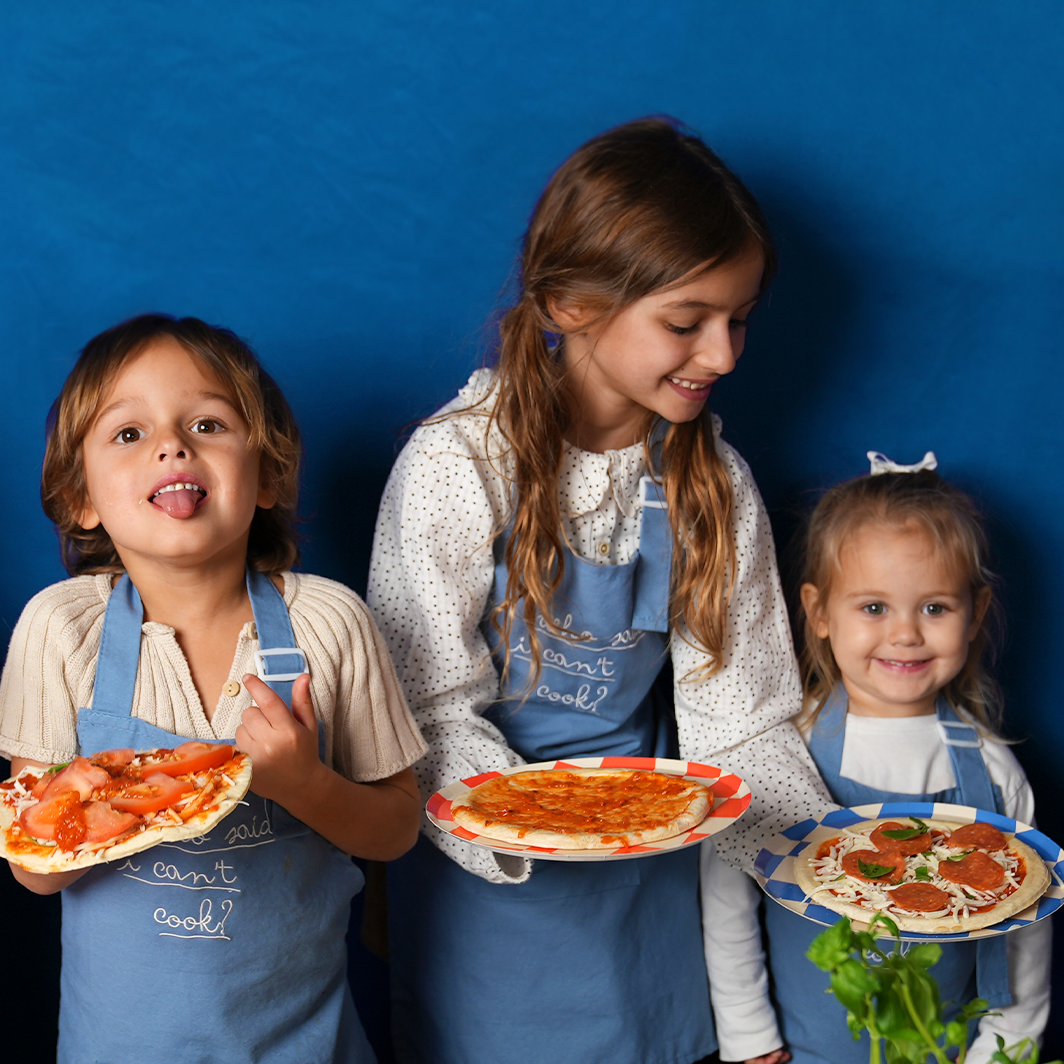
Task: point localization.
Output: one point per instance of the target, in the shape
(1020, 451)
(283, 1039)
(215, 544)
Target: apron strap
(278, 661)
(653, 571)
(828, 736)
(119, 653)
(969, 770)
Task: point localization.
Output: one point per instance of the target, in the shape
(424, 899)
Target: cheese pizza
(929, 876)
(117, 802)
(583, 808)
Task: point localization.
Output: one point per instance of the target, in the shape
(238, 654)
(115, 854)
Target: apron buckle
(943, 731)
(651, 494)
(262, 669)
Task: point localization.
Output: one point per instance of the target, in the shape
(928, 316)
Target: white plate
(775, 863)
(731, 796)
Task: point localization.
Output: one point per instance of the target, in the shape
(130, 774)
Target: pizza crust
(543, 799)
(143, 838)
(1033, 886)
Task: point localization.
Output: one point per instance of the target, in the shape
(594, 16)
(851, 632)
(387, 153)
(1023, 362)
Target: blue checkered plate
(775, 863)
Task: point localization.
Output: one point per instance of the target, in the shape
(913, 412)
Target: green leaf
(959, 856)
(973, 1010)
(956, 1033)
(873, 871)
(851, 983)
(831, 947)
(923, 873)
(903, 834)
(885, 921)
(926, 954)
(56, 768)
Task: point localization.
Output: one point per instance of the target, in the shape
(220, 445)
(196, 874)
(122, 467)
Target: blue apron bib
(590, 962)
(235, 939)
(813, 1023)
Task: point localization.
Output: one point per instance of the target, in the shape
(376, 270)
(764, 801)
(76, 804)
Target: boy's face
(168, 471)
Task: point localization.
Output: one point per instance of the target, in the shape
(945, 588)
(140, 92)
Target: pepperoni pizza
(116, 803)
(928, 876)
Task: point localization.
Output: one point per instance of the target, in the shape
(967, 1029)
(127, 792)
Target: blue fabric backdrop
(345, 185)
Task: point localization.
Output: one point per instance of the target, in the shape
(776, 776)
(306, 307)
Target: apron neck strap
(828, 734)
(969, 770)
(278, 661)
(119, 653)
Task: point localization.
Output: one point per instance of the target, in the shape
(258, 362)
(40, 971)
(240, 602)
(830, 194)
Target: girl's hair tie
(882, 464)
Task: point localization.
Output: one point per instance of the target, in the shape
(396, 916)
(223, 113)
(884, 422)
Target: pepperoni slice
(851, 865)
(919, 897)
(981, 836)
(909, 847)
(977, 870)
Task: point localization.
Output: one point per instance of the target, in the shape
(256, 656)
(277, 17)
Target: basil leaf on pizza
(583, 808)
(116, 803)
(964, 877)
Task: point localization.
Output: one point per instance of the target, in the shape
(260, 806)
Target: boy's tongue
(180, 503)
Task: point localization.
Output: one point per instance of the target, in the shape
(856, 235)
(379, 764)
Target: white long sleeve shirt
(431, 591)
(905, 756)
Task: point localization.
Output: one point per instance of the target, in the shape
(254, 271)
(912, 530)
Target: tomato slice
(103, 823)
(40, 820)
(80, 775)
(115, 758)
(190, 757)
(157, 791)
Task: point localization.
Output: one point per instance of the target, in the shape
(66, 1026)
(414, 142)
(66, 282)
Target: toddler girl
(570, 561)
(897, 598)
(171, 474)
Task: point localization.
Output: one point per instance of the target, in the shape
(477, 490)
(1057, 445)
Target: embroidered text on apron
(593, 962)
(236, 938)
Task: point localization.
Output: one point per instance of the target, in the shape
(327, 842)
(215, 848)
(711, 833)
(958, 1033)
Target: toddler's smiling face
(899, 618)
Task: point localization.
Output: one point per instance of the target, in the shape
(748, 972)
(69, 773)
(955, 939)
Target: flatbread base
(142, 838)
(1034, 885)
(694, 804)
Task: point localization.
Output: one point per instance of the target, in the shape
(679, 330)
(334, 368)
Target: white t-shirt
(906, 756)
(431, 587)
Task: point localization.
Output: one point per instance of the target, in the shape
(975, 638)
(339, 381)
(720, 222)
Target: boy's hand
(283, 744)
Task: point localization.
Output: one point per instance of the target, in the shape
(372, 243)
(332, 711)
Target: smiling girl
(171, 474)
(896, 598)
(570, 561)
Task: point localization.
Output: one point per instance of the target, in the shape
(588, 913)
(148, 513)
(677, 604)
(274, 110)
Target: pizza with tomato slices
(929, 876)
(583, 808)
(117, 802)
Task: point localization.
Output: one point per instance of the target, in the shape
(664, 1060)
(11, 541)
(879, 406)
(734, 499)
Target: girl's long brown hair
(952, 523)
(273, 543)
(639, 209)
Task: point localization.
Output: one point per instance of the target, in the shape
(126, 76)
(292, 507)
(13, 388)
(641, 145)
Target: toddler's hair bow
(882, 464)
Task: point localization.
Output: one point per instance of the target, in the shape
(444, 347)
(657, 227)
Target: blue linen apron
(229, 946)
(591, 962)
(812, 1022)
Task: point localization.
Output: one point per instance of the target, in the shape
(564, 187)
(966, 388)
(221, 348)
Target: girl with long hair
(570, 561)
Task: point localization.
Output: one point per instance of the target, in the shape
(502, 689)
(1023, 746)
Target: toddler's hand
(777, 1056)
(283, 745)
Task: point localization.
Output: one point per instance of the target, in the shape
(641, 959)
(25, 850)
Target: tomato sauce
(573, 804)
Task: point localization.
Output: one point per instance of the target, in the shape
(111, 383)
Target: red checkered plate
(731, 796)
